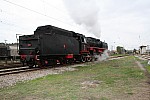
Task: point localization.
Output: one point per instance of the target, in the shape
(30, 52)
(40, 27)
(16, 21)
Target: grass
(145, 64)
(119, 55)
(148, 68)
(116, 79)
(115, 55)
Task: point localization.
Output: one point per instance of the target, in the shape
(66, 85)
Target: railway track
(16, 70)
(5, 70)
(146, 57)
(143, 57)
(10, 65)
(19, 69)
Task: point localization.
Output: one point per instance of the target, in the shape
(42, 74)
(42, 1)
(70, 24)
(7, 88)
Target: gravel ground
(12, 79)
(141, 57)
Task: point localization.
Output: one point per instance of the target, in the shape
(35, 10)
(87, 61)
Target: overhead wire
(38, 12)
(17, 28)
(11, 17)
(55, 8)
(12, 25)
(5, 22)
(47, 3)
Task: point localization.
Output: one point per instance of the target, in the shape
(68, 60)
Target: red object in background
(29, 45)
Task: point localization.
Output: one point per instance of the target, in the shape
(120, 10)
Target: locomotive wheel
(93, 59)
(83, 59)
(62, 61)
(41, 63)
(23, 63)
(30, 64)
(88, 59)
(70, 61)
(54, 62)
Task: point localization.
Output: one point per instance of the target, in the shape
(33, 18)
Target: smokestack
(85, 13)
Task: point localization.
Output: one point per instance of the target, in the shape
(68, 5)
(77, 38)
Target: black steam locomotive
(8, 51)
(4, 51)
(50, 45)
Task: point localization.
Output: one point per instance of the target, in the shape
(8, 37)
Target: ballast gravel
(12, 79)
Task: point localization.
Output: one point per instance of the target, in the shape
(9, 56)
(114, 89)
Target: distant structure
(142, 50)
(4, 50)
(13, 49)
(8, 51)
(120, 50)
(148, 49)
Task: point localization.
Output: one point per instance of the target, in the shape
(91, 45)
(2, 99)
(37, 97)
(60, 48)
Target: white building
(13, 50)
(142, 49)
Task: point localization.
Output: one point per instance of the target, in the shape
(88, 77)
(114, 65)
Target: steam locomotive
(8, 51)
(4, 51)
(50, 45)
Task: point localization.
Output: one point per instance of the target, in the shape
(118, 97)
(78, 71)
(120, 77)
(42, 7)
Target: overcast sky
(117, 22)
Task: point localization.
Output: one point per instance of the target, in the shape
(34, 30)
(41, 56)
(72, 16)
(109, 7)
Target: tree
(120, 50)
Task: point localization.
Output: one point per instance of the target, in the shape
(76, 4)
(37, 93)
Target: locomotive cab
(83, 45)
(84, 53)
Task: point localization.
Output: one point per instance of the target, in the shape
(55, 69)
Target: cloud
(85, 13)
(123, 22)
(119, 21)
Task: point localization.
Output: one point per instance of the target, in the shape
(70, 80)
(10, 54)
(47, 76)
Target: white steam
(85, 13)
(103, 56)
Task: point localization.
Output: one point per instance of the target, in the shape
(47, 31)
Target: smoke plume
(85, 13)
(103, 56)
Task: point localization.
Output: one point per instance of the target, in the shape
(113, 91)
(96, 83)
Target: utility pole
(17, 40)
(114, 46)
(148, 49)
(5, 42)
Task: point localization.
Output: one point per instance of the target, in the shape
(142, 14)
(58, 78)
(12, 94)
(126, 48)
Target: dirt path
(145, 71)
(141, 66)
(145, 89)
